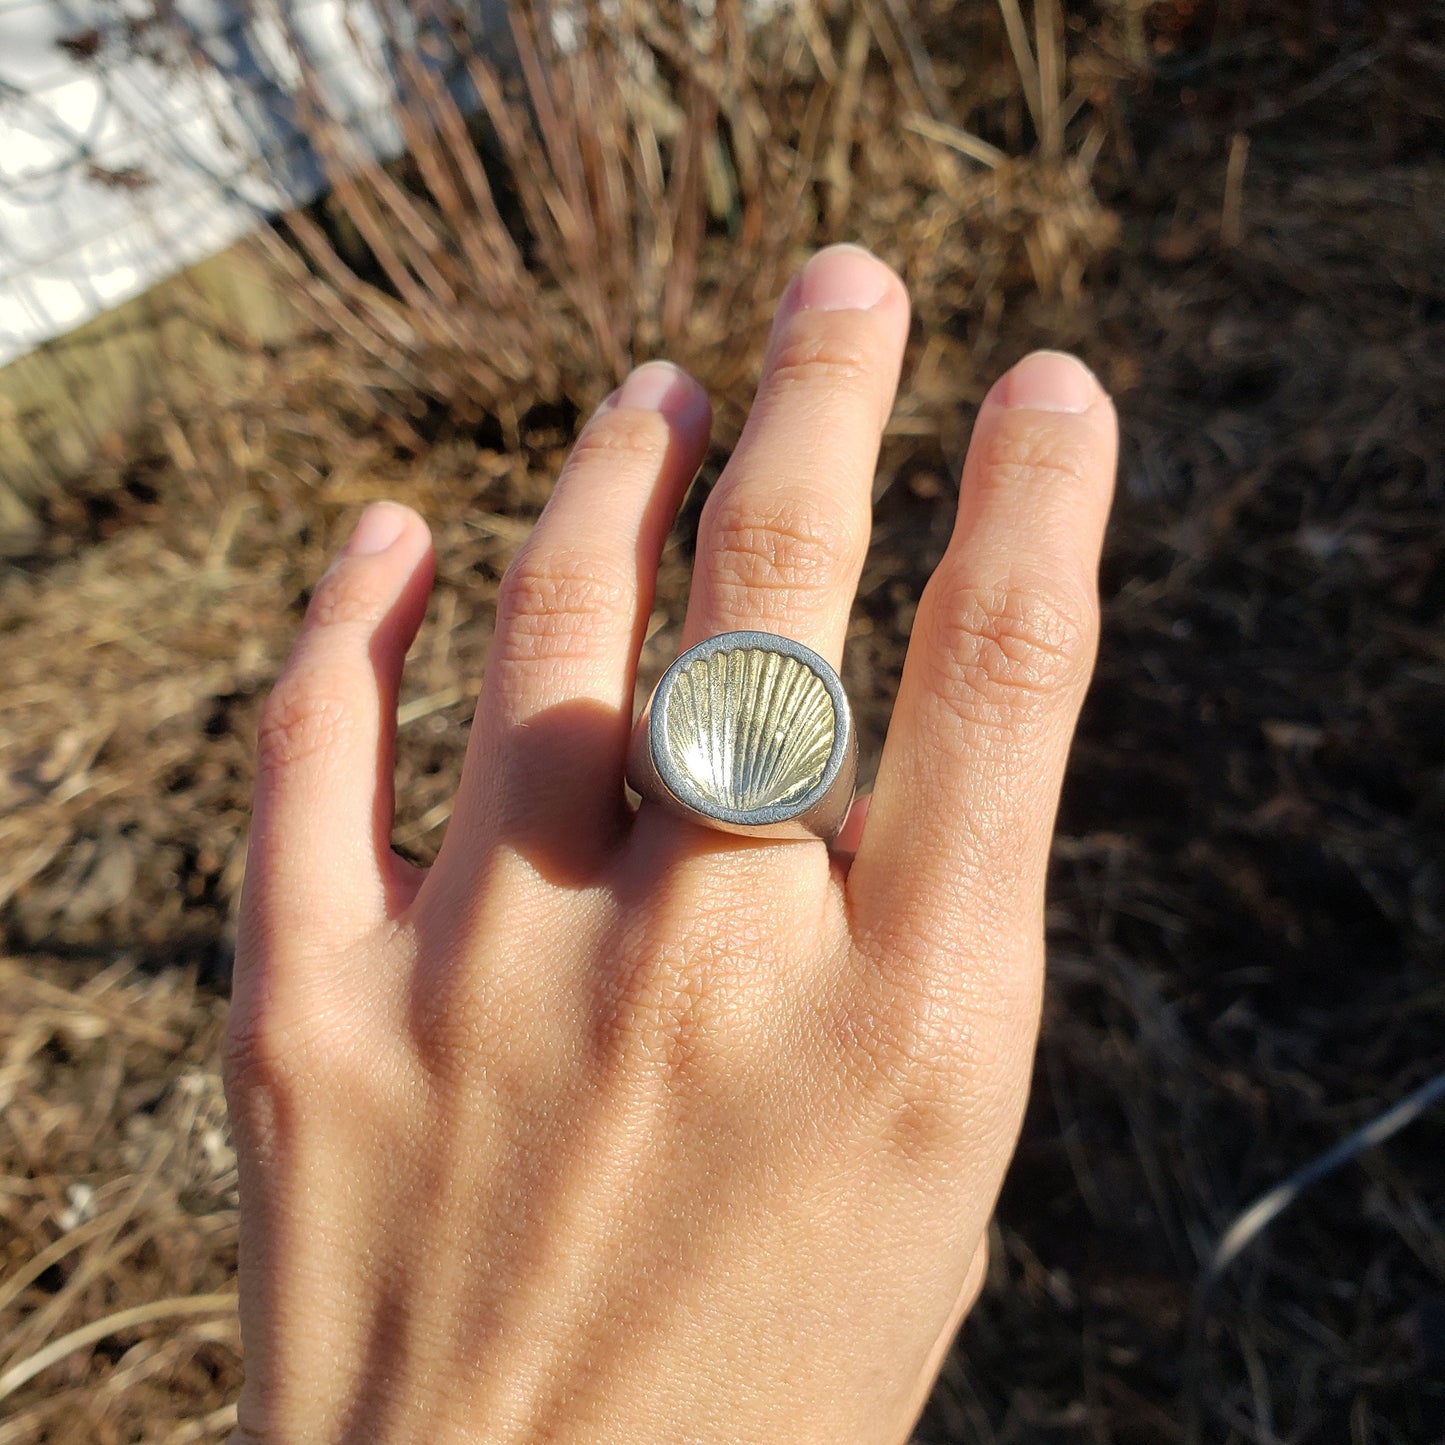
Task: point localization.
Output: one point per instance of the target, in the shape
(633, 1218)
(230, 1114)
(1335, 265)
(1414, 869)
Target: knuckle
(348, 597)
(932, 1075)
(1014, 646)
(555, 603)
(925, 1120)
(901, 1084)
(1035, 452)
(299, 722)
(679, 1010)
(463, 1020)
(793, 547)
(450, 1033)
(300, 1053)
(818, 353)
(621, 439)
(252, 1057)
(672, 1020)
(263, 1057)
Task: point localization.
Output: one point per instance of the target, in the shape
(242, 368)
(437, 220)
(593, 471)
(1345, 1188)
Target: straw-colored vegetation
(1237, 219)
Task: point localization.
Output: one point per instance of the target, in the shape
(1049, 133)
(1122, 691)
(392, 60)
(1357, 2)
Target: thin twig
(918, 58)
(1231, 224)
(27, 1369)
(1254, 1220)
(1049, 48)
(1018, 39)
(955, 138)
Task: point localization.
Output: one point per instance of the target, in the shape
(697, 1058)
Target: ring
(749, 733)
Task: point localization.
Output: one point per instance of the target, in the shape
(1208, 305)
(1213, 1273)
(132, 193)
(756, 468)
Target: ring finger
(783, 535)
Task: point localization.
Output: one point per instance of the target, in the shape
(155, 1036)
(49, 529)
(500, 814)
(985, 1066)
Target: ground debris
(1247, 910)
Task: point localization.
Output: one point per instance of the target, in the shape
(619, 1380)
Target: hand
(608, 1127)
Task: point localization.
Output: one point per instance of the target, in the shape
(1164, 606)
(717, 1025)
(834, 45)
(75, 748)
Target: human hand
(608, 1127)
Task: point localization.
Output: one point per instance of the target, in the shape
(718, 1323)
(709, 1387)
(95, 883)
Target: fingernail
(380, 525)
(659, 386)
(1048, 381)
(841, 278)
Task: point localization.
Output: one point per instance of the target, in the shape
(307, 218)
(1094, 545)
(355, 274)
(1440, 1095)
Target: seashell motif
(750, 728)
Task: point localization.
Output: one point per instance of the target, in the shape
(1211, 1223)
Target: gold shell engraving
(750, 729)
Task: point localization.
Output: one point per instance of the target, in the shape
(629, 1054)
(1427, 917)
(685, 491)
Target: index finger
(957, 838)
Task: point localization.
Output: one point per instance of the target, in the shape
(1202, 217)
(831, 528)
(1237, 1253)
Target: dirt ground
(1243, 231)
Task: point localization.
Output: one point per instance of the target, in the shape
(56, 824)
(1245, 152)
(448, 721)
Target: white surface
(209, 144)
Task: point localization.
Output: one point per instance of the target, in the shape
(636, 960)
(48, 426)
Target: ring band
(749, 733)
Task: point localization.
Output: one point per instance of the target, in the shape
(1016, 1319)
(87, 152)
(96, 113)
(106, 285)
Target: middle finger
(783, 535)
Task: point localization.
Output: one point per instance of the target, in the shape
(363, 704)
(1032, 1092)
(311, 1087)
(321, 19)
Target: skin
(609, 1127)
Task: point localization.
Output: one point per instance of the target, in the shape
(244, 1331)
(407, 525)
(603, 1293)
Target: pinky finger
(320, 865)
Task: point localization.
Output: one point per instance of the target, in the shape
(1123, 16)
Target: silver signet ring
(750, 733)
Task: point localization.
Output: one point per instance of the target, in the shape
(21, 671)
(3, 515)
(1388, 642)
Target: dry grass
(1247, 908)
(118, 1202)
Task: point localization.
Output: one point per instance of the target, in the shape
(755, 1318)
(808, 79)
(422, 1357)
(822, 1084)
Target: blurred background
(262, 264)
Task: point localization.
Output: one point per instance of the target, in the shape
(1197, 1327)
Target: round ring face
(749, 729)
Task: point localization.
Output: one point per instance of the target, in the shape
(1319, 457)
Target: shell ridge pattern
(775, 736)
(801, 741)
(735, 667)
(761, 682)
(786, 741)
(750, 728)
